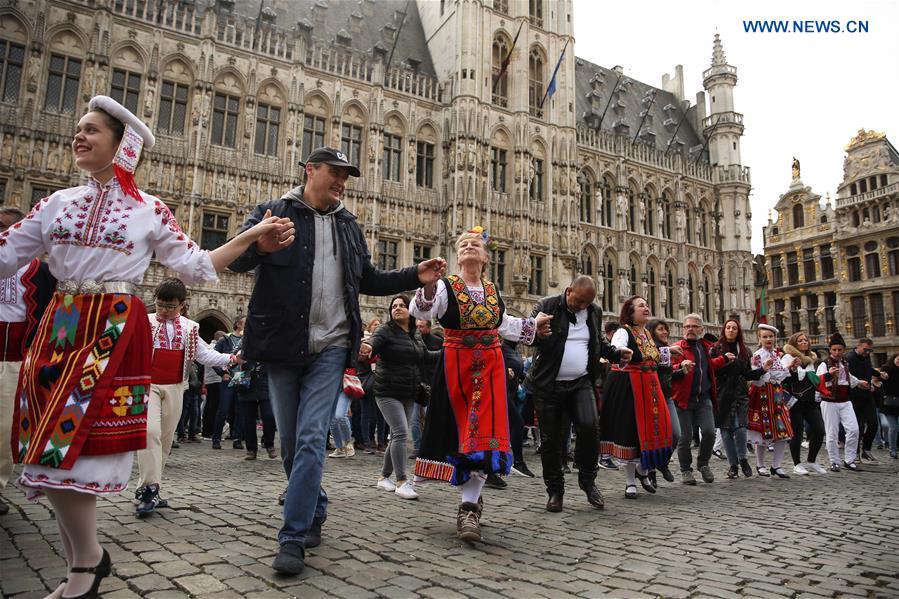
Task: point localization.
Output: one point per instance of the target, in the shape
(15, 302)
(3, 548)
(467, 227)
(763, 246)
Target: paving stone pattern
(812, 536)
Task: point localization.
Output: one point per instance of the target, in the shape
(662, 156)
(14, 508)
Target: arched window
(666, 215)
(872, 260)
(635, 289)
(174, 98)
(535, 82)
(798, 216)
(893, 256)
(854, 264)
(500, 85)
(64, 74)
(608, 203)
(587, 209)
(269, 108)
(226, 109)
(608, 285)
(669, 293)
(125, 86)
(12, 58)
(535, 12)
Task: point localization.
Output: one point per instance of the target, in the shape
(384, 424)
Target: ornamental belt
(90, 287)
(469, 339)
(638, 368)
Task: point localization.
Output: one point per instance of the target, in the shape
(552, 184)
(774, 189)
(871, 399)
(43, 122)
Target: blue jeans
(340, 424)
(734, 438)
(303, 399)
(418, 412)
(190, 415)
(675, 424)
(227, 397)
(891, 430)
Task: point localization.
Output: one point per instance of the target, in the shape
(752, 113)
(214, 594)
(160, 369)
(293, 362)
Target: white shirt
(181, 334)
(12, 297)
(776, 374)
(99, 233)
(576, 352)
(511, 327)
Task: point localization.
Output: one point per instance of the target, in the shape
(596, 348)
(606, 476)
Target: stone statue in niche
(622, 210)
(644, 289)
(642, 206)
(663, 294)
(624, 286)
(733, 297)
(684, 294)
(717, 305)
(681, 223)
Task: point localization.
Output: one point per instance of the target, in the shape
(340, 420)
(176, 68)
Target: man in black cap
(304, 324)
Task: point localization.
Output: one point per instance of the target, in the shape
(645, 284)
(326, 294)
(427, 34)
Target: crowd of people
(90, 379)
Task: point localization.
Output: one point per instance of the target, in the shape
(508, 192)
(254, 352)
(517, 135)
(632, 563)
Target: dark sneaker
(522, 469)
(468, 522)
(746, 468)
(314, 534)
(608, 464)
(687, 478)
(707, 474)
(291, 559)
(666, 473)
(834, 467)
(867, 456)
(216, 444)
(594, 496)
(733, 473)
(494, 481)
(237, 445)
(149, 501)
(282, 496)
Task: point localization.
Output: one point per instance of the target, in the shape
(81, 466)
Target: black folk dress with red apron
(467, 428)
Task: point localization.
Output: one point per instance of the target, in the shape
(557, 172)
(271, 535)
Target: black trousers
(247, 412)
(806, 417)
(866, 414)
(210, 408)
(516, 424)
(568, 402)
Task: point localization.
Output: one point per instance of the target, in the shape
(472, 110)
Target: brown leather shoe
(468, 522)
(251, 455)
(594, 496)
(554, 503)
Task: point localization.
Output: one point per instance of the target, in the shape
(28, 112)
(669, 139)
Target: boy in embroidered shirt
(176, 343)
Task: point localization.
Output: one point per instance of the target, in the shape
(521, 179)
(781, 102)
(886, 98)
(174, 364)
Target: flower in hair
(489, 242)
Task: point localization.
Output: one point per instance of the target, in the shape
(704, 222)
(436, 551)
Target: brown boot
(251, 455)
(468, 522)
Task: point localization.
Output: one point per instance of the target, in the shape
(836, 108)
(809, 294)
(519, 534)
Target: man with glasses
(176, 343)
(863, 403)
(23, 298)
(695, 395)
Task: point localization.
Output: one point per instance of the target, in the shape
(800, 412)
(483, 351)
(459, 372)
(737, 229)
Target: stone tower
(723, 128)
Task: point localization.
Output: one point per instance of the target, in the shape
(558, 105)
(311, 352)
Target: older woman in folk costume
(769, 416)
(635, 426)
(467, 431)
(82, 396)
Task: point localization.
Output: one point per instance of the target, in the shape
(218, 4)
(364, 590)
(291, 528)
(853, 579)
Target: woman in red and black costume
(635, 426)
(467, 430)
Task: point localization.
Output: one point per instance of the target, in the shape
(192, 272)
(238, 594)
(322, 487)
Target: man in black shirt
(863, 403)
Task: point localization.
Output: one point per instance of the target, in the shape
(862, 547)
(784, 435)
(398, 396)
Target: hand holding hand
(626, 354)
(544, 325)
(687, 365)
(833, 370)
(430, 271)
(768, 364)
(864, 385)
(675, 350)
(884, 375)
(272, 233)
(730, 357)
(238, 358)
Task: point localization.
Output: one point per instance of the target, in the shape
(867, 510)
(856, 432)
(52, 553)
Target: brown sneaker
(468, 522)
(251, 455)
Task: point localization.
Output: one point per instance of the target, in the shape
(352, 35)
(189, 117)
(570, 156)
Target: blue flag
(551, 88)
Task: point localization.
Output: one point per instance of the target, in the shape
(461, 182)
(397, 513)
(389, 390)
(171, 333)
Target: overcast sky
(802, 94)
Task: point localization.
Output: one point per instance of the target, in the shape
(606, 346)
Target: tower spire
(718, 57)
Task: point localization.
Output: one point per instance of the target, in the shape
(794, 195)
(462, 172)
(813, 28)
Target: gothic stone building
(838, 269)
(630, 183)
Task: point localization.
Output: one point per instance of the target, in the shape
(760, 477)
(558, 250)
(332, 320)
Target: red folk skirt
(769, 417)
(84, 385)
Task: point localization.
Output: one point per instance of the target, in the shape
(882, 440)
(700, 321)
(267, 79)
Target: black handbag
(423, 398)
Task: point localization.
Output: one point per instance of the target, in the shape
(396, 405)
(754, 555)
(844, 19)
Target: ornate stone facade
(852, 250)
(609, 176)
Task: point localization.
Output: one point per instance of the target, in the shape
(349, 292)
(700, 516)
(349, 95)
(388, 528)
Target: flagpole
(505, 64)
(555, 72)
(395, 40)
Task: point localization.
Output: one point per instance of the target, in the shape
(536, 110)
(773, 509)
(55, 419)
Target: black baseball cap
(331, 156)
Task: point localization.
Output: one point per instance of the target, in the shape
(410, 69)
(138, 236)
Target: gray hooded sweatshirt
(328, 322)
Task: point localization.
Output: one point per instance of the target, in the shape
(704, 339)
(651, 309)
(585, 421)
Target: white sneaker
(340, 452)
(800, 470)
(406, 491)
(349, 450)
(386, 484)
(805, 444)
(815, 467)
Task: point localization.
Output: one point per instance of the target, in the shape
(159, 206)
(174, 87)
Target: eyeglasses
(166, 306)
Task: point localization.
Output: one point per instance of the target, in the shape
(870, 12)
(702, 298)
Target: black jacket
(277, 328)
(733, 390)
(402, 356)
(861, 368)
(548, 358)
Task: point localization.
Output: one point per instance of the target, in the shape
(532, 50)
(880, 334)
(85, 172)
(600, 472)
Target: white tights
(471, 489)
(779, 448)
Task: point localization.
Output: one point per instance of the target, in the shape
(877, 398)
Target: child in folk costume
(176, 344)
(835, 405)
(81, 402)
(769, 416)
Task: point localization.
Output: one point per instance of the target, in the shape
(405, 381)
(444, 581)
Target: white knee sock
(779, 449)
(630, 474)
(760, 450)
(471, 489)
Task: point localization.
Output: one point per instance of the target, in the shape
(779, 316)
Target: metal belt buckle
(469, 340)
(487, 339)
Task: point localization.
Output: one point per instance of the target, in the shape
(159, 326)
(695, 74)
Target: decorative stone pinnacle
(718, 58)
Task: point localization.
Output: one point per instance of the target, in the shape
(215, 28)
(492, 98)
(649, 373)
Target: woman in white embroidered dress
(769, 415)
(88, 367)
(467, 430)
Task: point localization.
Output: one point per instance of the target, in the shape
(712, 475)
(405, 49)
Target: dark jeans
(802, 414)
(226, 404)
(356, 420)
(374, 427)
(247, 410)
(566, 402)
(702, 418)
(190, 415)
(866, 415)
(210, 408)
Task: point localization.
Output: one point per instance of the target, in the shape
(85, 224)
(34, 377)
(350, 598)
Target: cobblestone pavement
(812, 536)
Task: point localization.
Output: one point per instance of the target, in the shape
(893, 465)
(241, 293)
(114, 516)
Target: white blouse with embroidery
(99, 233)
(12, 296)
(774, 375)
(511, 327)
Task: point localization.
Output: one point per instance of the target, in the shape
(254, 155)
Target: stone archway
(210, 322)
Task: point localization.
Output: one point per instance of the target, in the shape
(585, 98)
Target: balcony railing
(868, 195)
(722, 118)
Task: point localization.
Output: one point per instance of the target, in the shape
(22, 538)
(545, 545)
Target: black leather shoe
(645, 483)
(495, 481)
(594, 496)
(100, 571)
(554, 504)
(666, 473)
